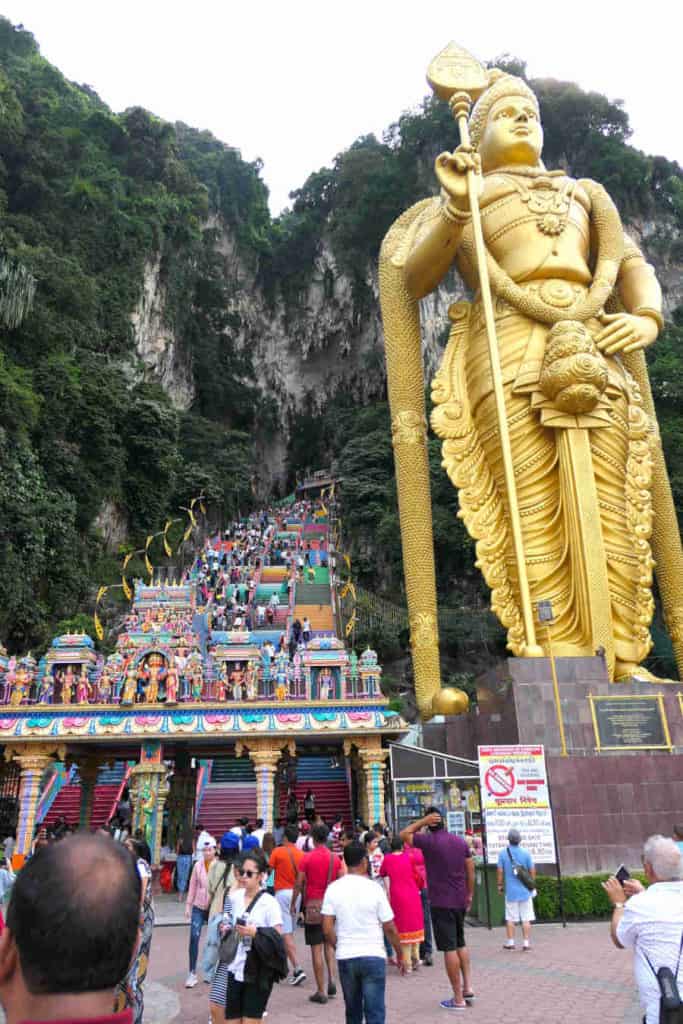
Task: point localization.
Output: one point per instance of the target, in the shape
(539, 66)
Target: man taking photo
(450, 885)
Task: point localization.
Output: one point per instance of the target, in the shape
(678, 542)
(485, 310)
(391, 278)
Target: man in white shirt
(259, 831)
(651, 922)
(356, 915)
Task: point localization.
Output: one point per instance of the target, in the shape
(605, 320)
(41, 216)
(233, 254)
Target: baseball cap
(514, 836)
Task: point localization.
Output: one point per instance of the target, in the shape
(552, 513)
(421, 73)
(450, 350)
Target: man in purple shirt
(450, 884)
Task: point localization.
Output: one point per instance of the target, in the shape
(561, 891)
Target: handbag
(313, 908)
(231, 940)
(670, 1002)
(520, 872)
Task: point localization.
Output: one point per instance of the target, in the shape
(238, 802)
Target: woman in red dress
(404, 896)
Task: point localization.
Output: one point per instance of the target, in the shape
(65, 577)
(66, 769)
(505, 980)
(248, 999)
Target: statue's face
(513, 134)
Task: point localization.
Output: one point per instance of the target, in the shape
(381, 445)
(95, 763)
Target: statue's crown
(501, 84)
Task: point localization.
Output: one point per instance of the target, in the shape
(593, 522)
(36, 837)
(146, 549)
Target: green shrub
(584, 897)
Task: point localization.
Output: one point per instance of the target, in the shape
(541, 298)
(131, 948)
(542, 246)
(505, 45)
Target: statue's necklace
(549, 203)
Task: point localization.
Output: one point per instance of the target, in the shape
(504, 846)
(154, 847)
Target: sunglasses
(247, 874)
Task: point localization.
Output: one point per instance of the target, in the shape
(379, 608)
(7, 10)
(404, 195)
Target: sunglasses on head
(246, 873)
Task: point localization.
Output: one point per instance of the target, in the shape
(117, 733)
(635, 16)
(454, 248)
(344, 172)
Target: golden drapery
(583, 485)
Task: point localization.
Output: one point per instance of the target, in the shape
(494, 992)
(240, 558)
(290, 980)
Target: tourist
(519, 903)
(7, 879)
(183, 864)
(678, 836)
(316, 871)
(130, 993)
(651, 921)
(285, 861)
(306, 631)
(418, 861)
(356, 920)
(259, 831)
(197, 903)
(260, 959)
(309, 804)
(404, 897)
(222, 882)
(450, 884)
(278, 831)
(66, 945)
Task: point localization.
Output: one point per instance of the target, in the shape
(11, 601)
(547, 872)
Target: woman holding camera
(260, 959)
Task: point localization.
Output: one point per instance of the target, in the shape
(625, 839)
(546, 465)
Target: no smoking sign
(499, 780)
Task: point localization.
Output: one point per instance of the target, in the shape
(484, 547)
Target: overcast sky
(296, 82)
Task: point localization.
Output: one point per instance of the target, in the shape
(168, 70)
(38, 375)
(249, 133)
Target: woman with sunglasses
(253, 909)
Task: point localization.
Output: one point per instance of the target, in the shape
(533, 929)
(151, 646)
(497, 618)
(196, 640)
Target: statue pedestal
(605, 803)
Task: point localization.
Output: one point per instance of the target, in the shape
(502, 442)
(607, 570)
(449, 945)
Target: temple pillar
(88, 770)
(33, 759)
(265, 755)
(372, 760)
(148, 791)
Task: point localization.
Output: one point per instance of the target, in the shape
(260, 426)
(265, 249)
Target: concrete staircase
(230, 794)
(67, 803)
(330, 786)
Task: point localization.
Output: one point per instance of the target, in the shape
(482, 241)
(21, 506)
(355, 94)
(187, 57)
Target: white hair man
(650, 921)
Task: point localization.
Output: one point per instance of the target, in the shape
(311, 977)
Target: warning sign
(514, 794)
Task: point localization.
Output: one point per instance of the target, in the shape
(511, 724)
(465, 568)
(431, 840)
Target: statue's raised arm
(542, 398)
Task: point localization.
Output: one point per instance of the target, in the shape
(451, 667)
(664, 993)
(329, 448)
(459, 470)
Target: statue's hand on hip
(625, 332)
(452, 170)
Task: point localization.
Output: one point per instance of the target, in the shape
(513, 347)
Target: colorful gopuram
(227, 693)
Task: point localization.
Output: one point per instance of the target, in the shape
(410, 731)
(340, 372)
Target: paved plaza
(573, 975)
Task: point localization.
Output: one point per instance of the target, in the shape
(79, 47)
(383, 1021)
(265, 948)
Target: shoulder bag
(670, 1003)
(231, 940)
(312, 910)
(520, 872)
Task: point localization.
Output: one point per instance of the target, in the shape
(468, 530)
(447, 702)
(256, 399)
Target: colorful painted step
(320, 617)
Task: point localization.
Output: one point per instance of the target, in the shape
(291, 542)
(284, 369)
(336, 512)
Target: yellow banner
(167, 546)
(348, 562)
(99, 630)
(126, 588)
(350, 625)
(127, 560)
(100, 594)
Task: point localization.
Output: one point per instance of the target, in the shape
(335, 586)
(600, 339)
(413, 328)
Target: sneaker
(331, 990)
(450, 1004)
(297, 977)
(427, 960)
(191, 980)
(508, 945)
(317, 997)
(526, 947)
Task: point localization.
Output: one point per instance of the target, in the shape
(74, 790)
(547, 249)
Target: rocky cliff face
(304, 353)
(160, 356)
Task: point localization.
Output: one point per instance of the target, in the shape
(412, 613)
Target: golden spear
(455, 76)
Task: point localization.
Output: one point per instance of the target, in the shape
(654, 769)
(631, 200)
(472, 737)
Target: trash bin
(497, 901)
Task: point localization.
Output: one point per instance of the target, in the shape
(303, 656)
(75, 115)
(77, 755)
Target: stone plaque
(630, 723)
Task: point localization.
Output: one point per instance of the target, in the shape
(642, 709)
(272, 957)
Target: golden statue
(542, 398)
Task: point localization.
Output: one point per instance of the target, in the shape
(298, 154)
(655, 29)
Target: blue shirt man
(519, 904)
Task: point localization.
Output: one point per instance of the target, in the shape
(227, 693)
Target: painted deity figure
(180, 661)
(574, 304)
(130, 684)
(282, 680)
(83, 687)
(221, 685)
(325, 684)
(68, 683)
(21, 686)
(46, 689)
(172, 684)
(154, 673)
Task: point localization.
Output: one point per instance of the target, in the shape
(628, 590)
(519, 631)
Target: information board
(630, 723)
(514, 794)
(455, 822)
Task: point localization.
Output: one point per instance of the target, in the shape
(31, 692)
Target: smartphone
(242, 920)
(622, 874)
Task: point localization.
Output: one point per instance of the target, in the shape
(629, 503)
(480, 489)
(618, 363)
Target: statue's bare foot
(625, 671)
